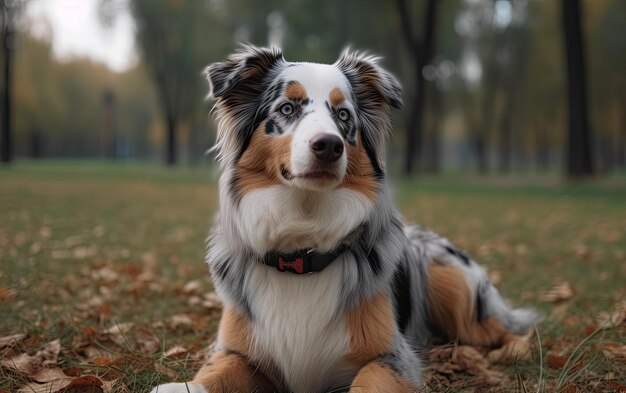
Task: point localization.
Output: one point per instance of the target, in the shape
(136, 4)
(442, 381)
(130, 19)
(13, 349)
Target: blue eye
(286, 109)
(343, 114)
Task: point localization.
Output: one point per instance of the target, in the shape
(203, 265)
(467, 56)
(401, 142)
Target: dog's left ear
(375, 91)
(371, 83)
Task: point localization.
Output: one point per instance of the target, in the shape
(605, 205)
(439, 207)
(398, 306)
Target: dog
(324, 287)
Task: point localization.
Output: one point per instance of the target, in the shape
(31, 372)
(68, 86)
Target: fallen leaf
(618, 387)
(614, 350)
(8, 341)
(23, 364)
(610, 320)
(6, 293)
(175, 352)
(557, 361)
(517, 348)
(559, 293)
(49, 353)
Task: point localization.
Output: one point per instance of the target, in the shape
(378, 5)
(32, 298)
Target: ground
(103, 285)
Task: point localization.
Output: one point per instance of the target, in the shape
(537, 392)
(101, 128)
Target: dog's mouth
(316, 175)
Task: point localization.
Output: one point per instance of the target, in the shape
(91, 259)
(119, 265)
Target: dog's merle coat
(300, 334)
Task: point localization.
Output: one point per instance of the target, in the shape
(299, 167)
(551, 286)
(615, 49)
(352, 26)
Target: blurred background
(490, 86)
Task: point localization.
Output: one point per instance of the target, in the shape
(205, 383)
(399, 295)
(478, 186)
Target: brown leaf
(102, 361)
(49, 353)
(557, 361)
(175, 352)
(8, 341)
(559, 293)
(23, 364)
(618, 387)
(86, 384)
(147, 341)
(517, 348)
(609, 320)
(72, 372)
(614, 350)
(50, 375)
(6, 293)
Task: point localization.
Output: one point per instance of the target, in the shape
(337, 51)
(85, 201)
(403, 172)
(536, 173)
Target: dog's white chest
(297, 325)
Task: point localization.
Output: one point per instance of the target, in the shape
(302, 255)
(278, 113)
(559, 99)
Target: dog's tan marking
(453, 312)
(230, 373)
(360, 174)
(378, 378)
(295, 91)
(235, 332)
(371, 329)
(259, 166)
(336, 97)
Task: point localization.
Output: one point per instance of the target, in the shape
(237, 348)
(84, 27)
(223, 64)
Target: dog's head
(310, 126)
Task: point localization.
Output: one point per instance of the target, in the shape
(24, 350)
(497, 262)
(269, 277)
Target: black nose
(327, 147)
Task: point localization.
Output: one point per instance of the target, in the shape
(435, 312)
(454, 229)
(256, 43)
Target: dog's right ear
(239, 85)
(247, 66)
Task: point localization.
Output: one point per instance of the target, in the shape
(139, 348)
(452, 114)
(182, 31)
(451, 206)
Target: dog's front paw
(179, 388)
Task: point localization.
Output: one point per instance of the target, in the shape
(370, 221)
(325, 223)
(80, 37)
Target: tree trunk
(171, 140)
(6, 140)
(579, 147)
(422, 53)
(433, 153)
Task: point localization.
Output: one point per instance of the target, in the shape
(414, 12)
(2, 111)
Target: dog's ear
(369, 81)
(375, 92)
(247, 66)
(239, 84)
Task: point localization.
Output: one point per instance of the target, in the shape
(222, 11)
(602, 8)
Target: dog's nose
(326, 147)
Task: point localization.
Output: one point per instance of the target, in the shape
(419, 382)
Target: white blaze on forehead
(317, 79)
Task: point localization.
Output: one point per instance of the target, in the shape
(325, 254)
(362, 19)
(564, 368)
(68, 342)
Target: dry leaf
(463, 358)
(609, 320)
(147, 341)
(618, 387)
(23, 364)
(193, 288)
(212, 302)
(557, 361)
(614, 350)
(6, 293)
(8, 341)
(559, 293)
(518, 348)
(49, 353)
(175, 352)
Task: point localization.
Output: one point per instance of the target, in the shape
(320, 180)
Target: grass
(87, 245)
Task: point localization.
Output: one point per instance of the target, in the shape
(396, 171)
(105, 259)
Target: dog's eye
(343, 114)
(286, 109)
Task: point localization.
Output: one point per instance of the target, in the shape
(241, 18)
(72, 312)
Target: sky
(76, 31)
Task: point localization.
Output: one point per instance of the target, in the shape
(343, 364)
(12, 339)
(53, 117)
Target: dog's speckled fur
(361, 322)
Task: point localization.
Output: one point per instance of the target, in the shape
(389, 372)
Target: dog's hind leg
(376, 377)
(452, 308)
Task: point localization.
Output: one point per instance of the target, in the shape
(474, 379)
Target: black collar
(301, 261)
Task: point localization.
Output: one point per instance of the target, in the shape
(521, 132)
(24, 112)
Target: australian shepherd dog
(324, 287)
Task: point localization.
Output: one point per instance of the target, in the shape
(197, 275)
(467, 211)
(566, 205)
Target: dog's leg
(225, 373)
(376, 377)
(228, 370)
(453, 309)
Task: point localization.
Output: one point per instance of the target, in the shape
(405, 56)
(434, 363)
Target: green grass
(85, 245)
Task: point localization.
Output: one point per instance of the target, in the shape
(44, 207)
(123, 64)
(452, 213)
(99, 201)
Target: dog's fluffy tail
(517, 320)
(434, 249)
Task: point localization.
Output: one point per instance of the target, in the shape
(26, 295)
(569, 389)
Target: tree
(579, 149)
(422, 52)
(171, 38)
(8, 15)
